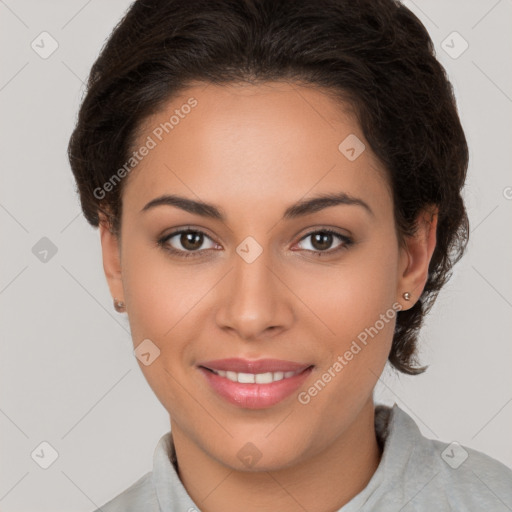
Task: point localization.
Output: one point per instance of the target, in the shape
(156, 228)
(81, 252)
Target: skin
(253, 150)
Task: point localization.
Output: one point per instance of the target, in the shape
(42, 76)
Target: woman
(277, 186)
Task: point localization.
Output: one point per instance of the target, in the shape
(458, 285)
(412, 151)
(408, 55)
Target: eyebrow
(299, 209)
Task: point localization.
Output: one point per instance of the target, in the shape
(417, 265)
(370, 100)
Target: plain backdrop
(68, 376)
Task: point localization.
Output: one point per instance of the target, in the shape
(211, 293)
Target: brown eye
(191, 240)
(322, 241)
(186, 242)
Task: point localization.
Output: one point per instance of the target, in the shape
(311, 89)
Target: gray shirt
(414, 474)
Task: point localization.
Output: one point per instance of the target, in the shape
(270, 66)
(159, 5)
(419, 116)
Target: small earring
(119, 306)
(407, 296)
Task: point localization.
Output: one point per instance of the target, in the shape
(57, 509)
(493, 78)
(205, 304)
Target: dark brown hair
(374, 53)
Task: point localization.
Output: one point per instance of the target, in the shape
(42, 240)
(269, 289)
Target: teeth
(252, 378)
(231, 376)
(263, 378)
(246, 378)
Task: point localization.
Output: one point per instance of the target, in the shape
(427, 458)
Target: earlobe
(416, 256)
(111, 252)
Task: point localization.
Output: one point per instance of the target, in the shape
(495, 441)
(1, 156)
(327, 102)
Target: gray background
(68, 375)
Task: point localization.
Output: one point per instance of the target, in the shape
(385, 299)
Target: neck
(323, 483)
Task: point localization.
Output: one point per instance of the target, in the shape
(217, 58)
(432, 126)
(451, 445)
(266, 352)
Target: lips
(254, 384)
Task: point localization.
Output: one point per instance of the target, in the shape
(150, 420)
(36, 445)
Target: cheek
(357, 305)
(352, 295)
(156, 295)
(160, 303)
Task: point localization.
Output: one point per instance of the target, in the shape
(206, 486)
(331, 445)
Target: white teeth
(246, 378)
(263, 378)
(255, 378)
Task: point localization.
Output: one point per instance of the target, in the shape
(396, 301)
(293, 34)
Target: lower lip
(255, 396)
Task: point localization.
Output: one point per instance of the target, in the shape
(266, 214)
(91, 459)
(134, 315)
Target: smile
(256, 384)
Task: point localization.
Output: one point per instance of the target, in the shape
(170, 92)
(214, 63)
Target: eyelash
(347, 242)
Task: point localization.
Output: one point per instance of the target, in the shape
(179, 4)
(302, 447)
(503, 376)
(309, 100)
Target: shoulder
(139, 497)
(469, 477)
(452, 476)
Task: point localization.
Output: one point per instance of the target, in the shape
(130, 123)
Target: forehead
(249, 143)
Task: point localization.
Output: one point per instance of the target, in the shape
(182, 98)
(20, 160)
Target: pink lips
(254, 395)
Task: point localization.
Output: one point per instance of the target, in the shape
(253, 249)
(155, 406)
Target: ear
(415, 257)
(111, 251)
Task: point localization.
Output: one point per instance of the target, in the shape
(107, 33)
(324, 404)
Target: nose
(254, 303)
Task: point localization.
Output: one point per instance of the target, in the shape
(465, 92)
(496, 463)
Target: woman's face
(257, 277)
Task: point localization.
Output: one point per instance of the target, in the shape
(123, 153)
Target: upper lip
(254, 366)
